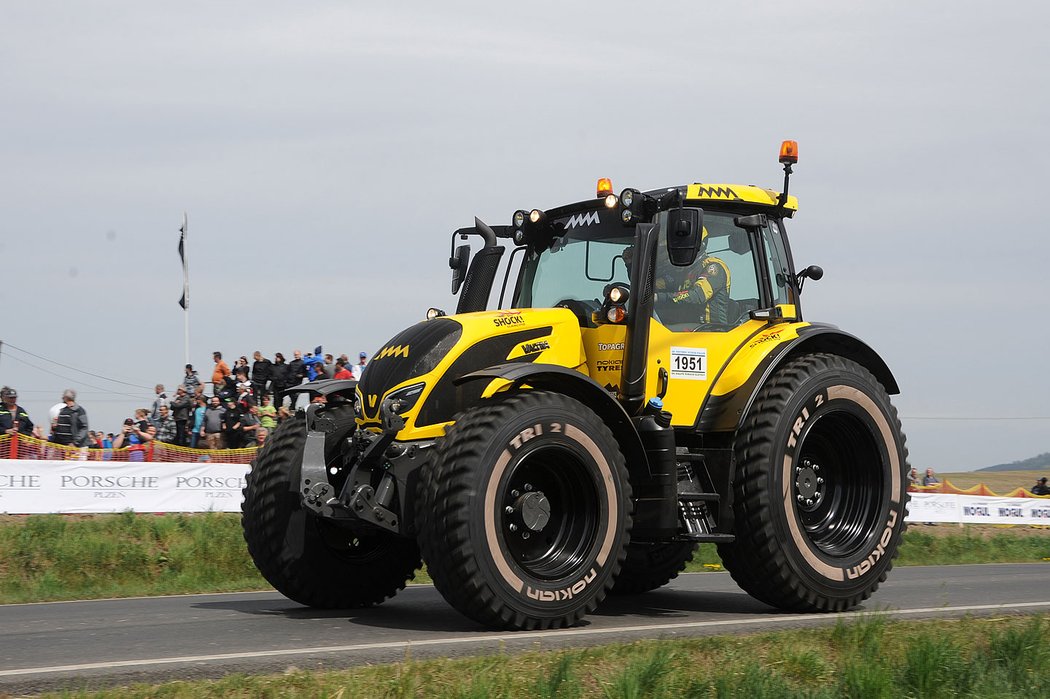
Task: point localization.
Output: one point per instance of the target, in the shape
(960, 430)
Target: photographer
(134, 437)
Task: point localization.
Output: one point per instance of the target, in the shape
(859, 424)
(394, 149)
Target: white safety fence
(978, 509)
(68, 487)
(75, 487)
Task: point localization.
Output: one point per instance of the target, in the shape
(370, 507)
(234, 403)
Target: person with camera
(134, 436)
(181, 405)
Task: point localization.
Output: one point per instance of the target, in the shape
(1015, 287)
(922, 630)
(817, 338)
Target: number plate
(689, 363)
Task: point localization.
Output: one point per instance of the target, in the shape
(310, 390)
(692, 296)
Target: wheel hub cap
(532, 511)
(809, 485)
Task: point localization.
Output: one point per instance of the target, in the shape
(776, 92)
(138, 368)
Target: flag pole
(185, 303)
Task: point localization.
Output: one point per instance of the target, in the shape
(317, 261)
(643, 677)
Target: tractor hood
(420, 365)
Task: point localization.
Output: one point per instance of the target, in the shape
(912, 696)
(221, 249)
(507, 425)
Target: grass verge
(866, 658)
(52, 557)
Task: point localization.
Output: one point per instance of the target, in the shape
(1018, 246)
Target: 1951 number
(688, 363)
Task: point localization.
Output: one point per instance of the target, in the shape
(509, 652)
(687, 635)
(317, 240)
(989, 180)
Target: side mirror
(458, 262)
(814, 272)
(684, 237)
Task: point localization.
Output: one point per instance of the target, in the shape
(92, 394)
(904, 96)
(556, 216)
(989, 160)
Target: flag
(185, 300)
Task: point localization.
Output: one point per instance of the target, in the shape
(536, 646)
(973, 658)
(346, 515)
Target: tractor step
(698, 497)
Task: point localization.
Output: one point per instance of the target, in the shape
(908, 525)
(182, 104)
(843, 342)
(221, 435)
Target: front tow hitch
(318, 494)
(358, 500)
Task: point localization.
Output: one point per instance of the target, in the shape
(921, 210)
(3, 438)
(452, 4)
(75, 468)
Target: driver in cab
(698, 293)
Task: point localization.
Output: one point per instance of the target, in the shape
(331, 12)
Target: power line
(975, 419)
(82, 371)
(67, 378)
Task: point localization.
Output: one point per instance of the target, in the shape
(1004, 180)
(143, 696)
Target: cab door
(692, 341)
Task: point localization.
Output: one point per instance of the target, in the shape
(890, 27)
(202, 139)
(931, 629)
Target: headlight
(404, 399)
(627, 197)
(519, 219)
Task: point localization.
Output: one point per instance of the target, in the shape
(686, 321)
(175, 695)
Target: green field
(59, 557)
(1000, 482)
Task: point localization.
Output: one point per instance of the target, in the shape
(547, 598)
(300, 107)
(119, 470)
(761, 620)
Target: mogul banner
(81, 487)
(978, 509)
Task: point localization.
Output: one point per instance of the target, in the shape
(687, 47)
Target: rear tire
(306, 558)
(819, 490)
(525, 512)
(649, 566)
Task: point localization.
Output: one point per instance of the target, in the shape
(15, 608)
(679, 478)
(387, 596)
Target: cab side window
(717, 292)
(780, 275)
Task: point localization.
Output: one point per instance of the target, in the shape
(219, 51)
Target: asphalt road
(77, 644)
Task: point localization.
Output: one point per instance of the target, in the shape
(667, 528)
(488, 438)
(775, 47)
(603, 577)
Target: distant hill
(1036, 463)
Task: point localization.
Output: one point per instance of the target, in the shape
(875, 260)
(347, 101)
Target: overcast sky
(324, 152)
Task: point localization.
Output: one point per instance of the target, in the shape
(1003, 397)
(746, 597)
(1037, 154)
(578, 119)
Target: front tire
(525, 512)
(819, 491)
(306, 558)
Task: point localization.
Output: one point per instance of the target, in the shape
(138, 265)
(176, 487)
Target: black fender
(569, 382)
(726, 413)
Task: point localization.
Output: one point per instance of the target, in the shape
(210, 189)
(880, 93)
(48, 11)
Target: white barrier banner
(977, 509)
(83, 487)
(67, 487)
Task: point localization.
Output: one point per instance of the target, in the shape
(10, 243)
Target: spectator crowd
(238, 408)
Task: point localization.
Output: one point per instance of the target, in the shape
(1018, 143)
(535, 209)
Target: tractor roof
(729, 195)
(745, 193)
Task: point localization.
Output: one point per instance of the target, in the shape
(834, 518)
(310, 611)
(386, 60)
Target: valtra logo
(392, 351)
(588, 219)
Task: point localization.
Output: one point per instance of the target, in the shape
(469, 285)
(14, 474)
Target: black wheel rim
(549, 512)
(838, 482)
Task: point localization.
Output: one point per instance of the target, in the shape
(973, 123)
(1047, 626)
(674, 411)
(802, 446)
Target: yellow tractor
(646, 382)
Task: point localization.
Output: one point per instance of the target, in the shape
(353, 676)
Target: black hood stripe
(446, 399)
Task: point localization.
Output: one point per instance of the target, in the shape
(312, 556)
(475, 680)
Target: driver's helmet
(664, 268)
(8, 392)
